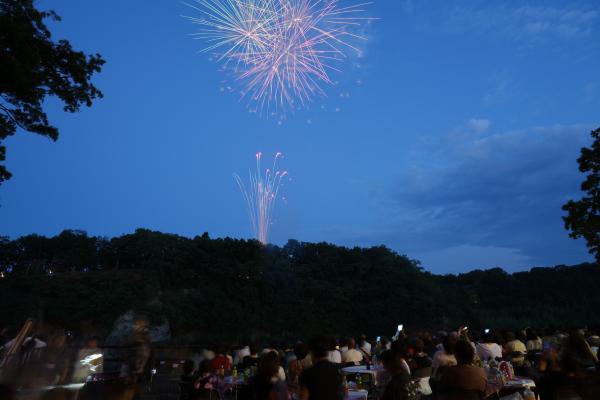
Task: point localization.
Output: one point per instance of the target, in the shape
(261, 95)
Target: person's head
(392, 362)
(449, 344)
(268, 366)
(531, 334)
(253, 349)
(384, 341)
(418, 345)
(489, 337)
(577, 344)
(464, 353)
(521, 335)
(301, 350)
(351, 344)
(509, 336)
(319, 347)
(400, 347)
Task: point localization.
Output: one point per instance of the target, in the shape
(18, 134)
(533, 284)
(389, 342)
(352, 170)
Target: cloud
(473, 190)
(479, 125)
(530, 23)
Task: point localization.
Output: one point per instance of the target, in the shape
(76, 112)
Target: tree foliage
(583, 216)
(33, 67)
(225, 289)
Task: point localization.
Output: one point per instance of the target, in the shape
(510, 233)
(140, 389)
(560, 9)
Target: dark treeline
(207, 288)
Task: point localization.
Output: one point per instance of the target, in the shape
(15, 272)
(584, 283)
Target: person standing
(322, 381)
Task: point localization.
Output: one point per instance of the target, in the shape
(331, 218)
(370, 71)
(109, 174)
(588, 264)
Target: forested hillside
(227, 288)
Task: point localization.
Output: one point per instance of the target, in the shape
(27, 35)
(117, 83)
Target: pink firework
(261, 194)
(281, 51)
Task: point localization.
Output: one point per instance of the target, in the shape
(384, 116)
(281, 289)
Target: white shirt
(485, 351)
(352, 356)
(240, 354)
(366, 347)
(441, 359)
(334, 356)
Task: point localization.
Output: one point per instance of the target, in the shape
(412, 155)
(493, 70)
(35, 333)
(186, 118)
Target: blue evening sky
(453, 139)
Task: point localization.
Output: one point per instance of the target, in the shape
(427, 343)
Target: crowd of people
(445, 365)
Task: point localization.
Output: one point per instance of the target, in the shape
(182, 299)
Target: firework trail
(281, 51)
(261, 194)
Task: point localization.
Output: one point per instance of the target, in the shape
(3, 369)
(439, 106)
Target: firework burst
(261, 194)
(282, 52)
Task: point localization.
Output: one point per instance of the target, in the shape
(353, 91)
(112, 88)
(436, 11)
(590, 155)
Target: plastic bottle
(234, 373)
(528, 394)
(359, 382)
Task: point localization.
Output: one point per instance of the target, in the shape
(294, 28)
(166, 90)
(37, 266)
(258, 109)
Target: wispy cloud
(475, 189)
(531, 23)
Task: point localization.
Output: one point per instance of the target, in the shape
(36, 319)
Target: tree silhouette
(583, 218)
(33, 67)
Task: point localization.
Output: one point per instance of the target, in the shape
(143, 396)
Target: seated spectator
(445, 357)
(221, 361)
(534, 342)
(85, 361)
(323, 380)
(400, 386)
(252, 359)
(489, 349)
(352, 356)
(239, 354)
(463, 381)
(297, 366)
(420, 360)
(364, 346)
(334, 354)
(515, 349)
(576, 354)
(265, 384)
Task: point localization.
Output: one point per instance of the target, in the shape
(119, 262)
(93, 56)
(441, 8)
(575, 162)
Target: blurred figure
(400, 386)
(489, 349)
(365, 346)
(445, 357)
(463, 381)
(252, 359)
(323, 380)
(515, 349)
(334, 355)
(88, 361)
(297, 366)
(265, 384)
(352, 356)
(534, 342)
(222, 361)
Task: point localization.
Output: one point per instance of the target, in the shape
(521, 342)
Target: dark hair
(489, 337)
(319, 345)
(449, 344)
(531, 334)
(301, 350)
(268, 366)
(392, 361)
(253, 349)
(464, 353)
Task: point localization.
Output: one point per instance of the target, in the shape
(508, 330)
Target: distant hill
(224, 289)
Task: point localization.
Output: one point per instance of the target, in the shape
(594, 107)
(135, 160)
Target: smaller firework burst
(260, 195)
